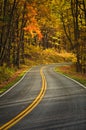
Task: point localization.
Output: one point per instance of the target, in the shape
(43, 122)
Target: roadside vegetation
(34, 56)
(41, 32)
(9, 76)
(70, 71)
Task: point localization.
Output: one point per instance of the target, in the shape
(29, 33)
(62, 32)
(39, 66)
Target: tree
(7, 20)
(73, 17)
(60, 24)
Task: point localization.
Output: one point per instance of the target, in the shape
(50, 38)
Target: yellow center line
(26, 111)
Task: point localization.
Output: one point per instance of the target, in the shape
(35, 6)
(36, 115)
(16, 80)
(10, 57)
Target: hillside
(36, 55)
(33, 56)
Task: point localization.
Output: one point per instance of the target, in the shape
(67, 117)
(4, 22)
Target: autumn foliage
(32, 25)
(48, 24)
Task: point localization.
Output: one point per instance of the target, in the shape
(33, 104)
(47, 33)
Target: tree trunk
(75, 12)
(5, 45)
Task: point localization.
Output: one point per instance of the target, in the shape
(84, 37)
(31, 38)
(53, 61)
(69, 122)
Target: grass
(5, 73)
(70, 72)
(10, 80)
(3, 89)
(37, 55)
(33, 56)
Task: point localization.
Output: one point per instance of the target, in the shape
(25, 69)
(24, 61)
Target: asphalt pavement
(63, 106)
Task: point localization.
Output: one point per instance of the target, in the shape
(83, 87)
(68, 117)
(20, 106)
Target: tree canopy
(49, 24)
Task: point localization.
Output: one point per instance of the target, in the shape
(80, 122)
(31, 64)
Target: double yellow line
(30, 107)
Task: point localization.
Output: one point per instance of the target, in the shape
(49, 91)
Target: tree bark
(3, 49)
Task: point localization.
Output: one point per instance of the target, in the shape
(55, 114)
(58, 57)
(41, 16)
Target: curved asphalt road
(62, 108)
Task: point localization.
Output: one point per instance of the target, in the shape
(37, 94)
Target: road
(61, 105)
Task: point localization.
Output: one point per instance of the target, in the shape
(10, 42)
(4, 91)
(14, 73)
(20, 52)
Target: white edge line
(73, 80)
(15, 84)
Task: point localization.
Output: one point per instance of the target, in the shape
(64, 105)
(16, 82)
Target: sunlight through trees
(48, 24)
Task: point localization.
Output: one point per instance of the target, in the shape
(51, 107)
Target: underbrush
(9, 76)
(5, 73)
(70, 71)
(36, 55)
(33, 56)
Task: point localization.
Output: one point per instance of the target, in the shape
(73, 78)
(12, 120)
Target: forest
(58, 24)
